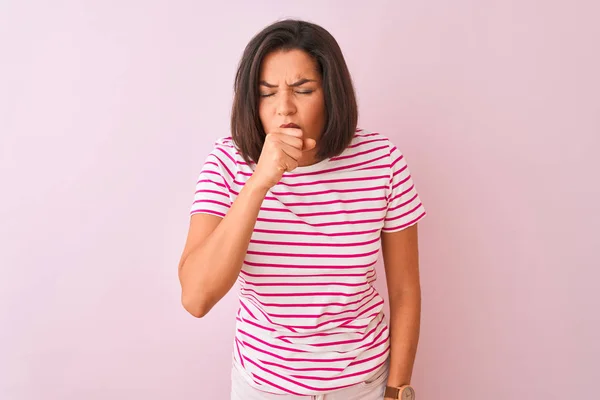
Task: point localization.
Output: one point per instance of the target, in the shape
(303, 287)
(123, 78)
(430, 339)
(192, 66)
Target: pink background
(107, 110)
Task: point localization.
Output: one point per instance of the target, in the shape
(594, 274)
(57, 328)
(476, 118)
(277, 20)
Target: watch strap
(392, 392)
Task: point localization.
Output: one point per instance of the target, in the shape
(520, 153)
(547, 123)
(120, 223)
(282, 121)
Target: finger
(309, 144)
(291, 151)
(291, 132)
(290, 141)
(289, 163)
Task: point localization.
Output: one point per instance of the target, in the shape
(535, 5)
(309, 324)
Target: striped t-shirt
(310, 320)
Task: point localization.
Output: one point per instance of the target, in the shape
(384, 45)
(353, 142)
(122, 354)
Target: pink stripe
(266, 316)
(271, 345)
(319, 325)
(344, 212)
(244, 163)
(399, 171)
(213, 192)
(347, 324)
(343, 319)
(344, 333)
(247, 310)
(255, 264)
(376, 356)
(379, 166)
(211, 202)
(210, 163)
(255, 377)
(317, 316)
(403, 204)
(334, 378)
(271, 254)
(404, 214)
(247, 321)
(359, 154)
(312, 183)
(278, 232)
(239, 352)
(367, 142)
(324, 360)
(201, 210)
(401, 194)
(287, 294)
(359, 327)
(226, 153)
(329, 191)
(324, 334)
(288, 175)
(294, 284)
(387, 348)
(367, 134)
(400, 157)
(271, 198)
(406, 224)
(299, 275)
(373, 342)
(213, 182)
(342, 223)
(302, 369)
(322, 203)
(350, 340)
(272, 243)
(220, 176)
(401, 182)
(384, 341)
(372, 293)
(291, 380)
(223, 165)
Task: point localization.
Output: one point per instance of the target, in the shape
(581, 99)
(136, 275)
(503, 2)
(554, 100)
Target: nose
(285, 104)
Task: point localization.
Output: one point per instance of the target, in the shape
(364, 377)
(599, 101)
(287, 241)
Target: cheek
(317, 113)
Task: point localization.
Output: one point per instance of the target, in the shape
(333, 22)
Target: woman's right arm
(216, 247)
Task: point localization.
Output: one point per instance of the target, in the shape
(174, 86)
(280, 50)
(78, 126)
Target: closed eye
(299, 92)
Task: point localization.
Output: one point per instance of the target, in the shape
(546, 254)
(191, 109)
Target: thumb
(309, 144)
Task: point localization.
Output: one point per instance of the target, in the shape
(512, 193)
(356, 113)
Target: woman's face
(291, 92)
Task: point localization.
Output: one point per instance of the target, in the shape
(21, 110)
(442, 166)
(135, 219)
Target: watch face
(408, 393)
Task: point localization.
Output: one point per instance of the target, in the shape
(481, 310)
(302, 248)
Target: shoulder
(225, 144)
(225, 155)
(371, 141)
(225, 147)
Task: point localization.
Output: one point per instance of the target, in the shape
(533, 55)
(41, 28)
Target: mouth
(290, 125)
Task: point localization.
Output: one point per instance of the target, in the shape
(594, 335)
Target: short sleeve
(212, 195)
(404, 206)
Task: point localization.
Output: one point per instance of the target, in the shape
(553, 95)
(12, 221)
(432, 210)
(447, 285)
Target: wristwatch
(404, 392)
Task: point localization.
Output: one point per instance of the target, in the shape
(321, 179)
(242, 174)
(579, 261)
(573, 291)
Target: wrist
(255, 187)
(404, 392)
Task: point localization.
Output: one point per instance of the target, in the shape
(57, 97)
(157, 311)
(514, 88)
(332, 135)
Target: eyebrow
(295, 84)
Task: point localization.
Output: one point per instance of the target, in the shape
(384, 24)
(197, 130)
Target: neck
(308, 158)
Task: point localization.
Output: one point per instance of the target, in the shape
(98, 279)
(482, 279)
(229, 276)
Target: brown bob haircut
(340, 100)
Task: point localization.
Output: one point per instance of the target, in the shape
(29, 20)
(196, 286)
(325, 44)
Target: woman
(295, 206)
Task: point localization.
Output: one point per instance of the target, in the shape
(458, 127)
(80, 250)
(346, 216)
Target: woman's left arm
(401, 260)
